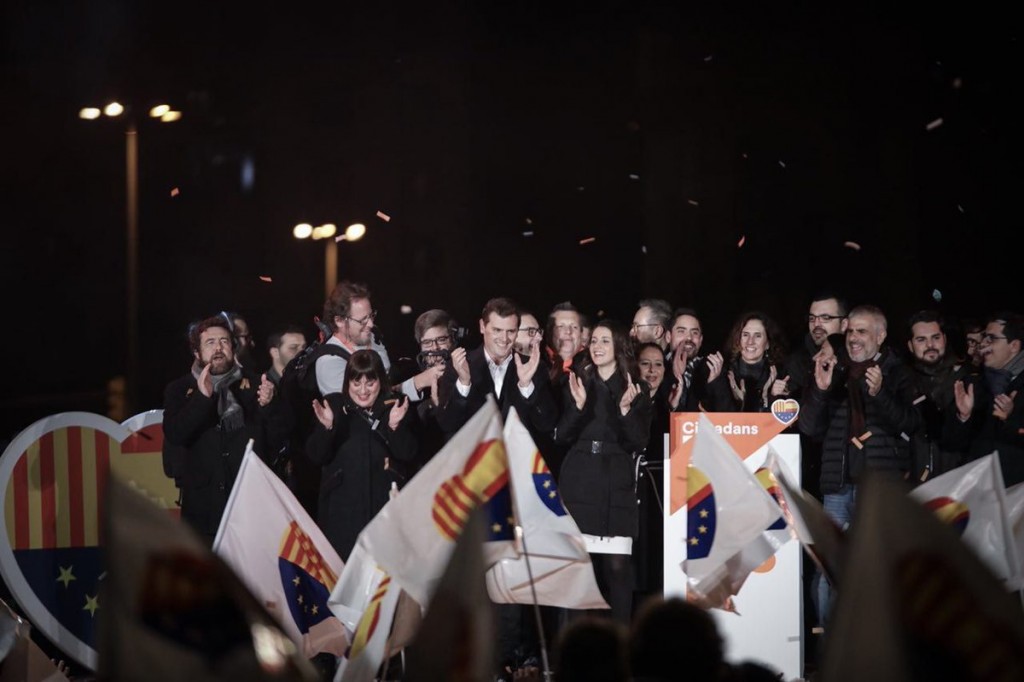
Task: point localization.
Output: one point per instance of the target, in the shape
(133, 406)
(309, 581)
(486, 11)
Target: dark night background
(798, 126)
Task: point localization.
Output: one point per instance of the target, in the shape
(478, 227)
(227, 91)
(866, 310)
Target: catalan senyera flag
(413, 536)
(971, 499)
(267, 537)
(172, 610)
(728, 512)
(923, 607)
(552, 543)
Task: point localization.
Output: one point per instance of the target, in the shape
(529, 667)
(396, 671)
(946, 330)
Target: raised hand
(628, 396)
(823, 367)
(324, 413)
(739, 390)
(715, 364)
(769, 386)
(398, 412)
(527, 369)
(579, 393)
(873, 378)
(428, 377)
(461, 365)
(265, 393)
(679, 360)
(205, 382)
(964, 400)
(1002, 405)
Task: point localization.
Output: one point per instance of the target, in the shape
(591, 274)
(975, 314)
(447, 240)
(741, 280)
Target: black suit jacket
(539, 412)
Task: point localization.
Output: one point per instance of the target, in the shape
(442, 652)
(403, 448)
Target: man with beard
(211, 413)
(349, 312)
(243, 336)
(282, 347)
(990, 410)
(692, 372)
(866, 415)
(933, 372)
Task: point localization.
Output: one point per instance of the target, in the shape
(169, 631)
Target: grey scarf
(228, 409)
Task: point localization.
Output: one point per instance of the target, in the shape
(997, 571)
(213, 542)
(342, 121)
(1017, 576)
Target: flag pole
(521, 537)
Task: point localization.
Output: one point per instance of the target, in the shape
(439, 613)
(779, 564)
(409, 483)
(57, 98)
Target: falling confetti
(744, 155)
(960, 208)
(175, 192)
(643, 249)
(580, 188)
(588, 240)
(934, 124)
(852, 245)
(528, 233)
(709, 57)
(384, 216)
(692, 202)
(782, 163)
(937, 295)
(406, 309)
(957, 83)
(634, 176)
(742, 241)
(264, 278)
(529, 221)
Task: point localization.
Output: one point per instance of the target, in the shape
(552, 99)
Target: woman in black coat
(359, 439)
(751, 379)
(606, 421)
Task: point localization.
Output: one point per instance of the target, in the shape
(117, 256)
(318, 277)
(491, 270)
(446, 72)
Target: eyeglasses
(989, 338)
(639, 326)
(530, 331)
(826, 318)
(437, 343)
(366, 320)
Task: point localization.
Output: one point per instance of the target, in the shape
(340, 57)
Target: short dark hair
(197, 330)
(500, 306)
(827, 295)
(1013, 325)
(679, 312)
(365, 363)
(927, 316)
(667, 631)
(339, 303)
(277, 338)
(430, 319)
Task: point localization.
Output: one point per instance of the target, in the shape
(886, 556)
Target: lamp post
(326, 232)
(165, 114)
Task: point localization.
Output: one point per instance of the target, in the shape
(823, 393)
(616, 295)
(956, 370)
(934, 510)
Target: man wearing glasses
(350, 314)
(826, 316)
(529, 329)
(990, 411)
(650, 323)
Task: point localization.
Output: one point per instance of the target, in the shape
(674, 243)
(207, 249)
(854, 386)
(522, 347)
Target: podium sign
(768, 623)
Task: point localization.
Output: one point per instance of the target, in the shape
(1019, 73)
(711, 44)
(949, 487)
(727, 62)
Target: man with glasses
(650, 323)
(990, 411)
(350, 314)
(529, 329)
(826, 316)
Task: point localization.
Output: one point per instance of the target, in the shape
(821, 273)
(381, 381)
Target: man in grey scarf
(211, 413)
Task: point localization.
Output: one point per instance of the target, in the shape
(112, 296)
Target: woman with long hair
(751, 379)
(606, 421)
(361, 440)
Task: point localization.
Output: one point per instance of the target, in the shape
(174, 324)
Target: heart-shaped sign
(785, 410)
(53, 480)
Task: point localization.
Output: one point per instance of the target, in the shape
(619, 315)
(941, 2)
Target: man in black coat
(211, 413)
(991, 410)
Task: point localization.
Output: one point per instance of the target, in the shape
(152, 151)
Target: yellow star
(315, 609)
(296, 580)
(91, 604)
(694, 541)
(552, 495)
(496, 528)
(547, 484)
(65, 575)
(703, 513)
(510, 521)
(300, 598)
(702, 529)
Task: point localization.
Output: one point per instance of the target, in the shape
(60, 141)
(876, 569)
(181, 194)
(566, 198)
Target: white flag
(558, 559)
(972, 500)
(1015, 512)
(413, 536)
(728, 512)
(919, 605)
(271, 542)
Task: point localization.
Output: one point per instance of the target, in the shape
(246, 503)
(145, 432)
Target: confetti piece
(782, 163)
(744, 155)
(634, 176)
(384, 216)
(934, 124)
(528, 233)
(957, 83)
(580, 188)
(709, 57)
(175, 192)
(264, 278)
(588, 240)
(691, 202)
(960, 208)
(743, 240)
(340, 238)
(643, 249)
(529, 221)
(852, 245)
(937, 295)
(406, 309)
(920, 399)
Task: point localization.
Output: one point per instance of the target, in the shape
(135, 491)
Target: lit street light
(327, 232)
(131, 159)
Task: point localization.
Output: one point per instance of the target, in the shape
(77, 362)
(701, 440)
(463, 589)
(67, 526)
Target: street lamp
(131, 162)
(327, 232)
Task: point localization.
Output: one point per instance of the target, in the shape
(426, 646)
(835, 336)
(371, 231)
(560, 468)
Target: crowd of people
(345, 428)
